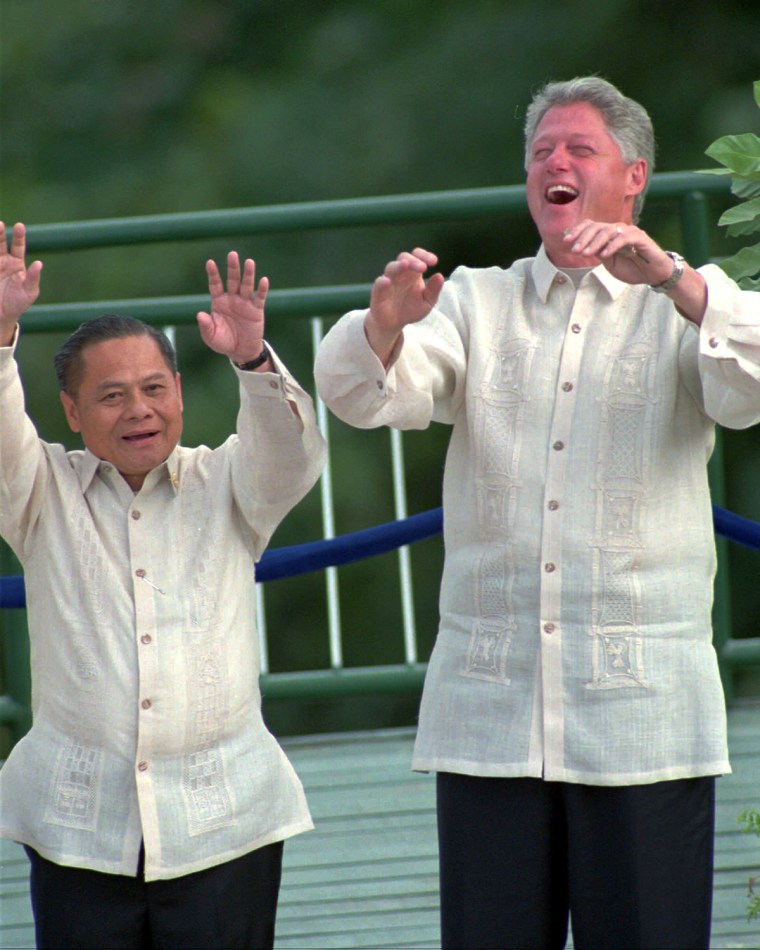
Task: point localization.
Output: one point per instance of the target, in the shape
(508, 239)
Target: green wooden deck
(367, 876)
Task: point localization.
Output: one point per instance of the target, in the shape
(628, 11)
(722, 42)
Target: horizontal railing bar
(295, 302)
(741, 651)
(316, 215)
(353, 681)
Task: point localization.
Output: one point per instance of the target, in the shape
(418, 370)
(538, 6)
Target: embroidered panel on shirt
(499, 408)
(75, 788)
(628, 403)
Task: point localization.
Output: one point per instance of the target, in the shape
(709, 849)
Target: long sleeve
(279, 455)
(426, 377)
(23, 470)
(729, 352)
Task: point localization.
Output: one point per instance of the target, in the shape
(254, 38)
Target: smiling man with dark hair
(151, 798)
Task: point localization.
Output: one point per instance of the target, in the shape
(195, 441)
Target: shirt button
(558, 446)
(380, 384)
(553, 505)
(135, 516)
(549, 628)
(576, 328)
(550, 568)
(146, 704)
(713, 341)
(142, 766)
(561, 279)
(274, 384)
(141, 572)
(567, 387)
(146, 638)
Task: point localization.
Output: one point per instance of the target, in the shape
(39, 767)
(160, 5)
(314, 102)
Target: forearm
(690, 295)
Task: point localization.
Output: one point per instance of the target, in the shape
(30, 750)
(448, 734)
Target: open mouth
(137, 438)
(561, 194)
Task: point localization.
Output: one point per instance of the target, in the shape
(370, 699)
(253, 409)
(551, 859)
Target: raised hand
(625, 250)
(401, 296)
(19, 284)
(235, 325)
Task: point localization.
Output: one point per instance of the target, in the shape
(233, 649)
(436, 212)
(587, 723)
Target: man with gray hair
(572, 709)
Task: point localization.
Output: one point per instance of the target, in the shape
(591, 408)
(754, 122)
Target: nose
(137, 406)
(559, 158)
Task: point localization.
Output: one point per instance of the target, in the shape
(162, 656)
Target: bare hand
(401, 296)
(235, 325)
(626, 251)
(19, 285)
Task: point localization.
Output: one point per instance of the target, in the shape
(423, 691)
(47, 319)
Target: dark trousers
(631, 867)
(232, 905)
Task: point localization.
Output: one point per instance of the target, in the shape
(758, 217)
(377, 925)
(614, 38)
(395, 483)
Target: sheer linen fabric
(575, 632)
(145, 659)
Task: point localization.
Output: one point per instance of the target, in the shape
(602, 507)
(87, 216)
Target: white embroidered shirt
(141, 609)
(575, 630)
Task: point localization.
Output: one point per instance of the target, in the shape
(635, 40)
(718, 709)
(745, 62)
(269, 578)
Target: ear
(637, 176)
(72, 415)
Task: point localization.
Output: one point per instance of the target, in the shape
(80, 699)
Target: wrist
(256, 362)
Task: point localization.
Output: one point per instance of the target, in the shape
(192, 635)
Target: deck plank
(367, 876)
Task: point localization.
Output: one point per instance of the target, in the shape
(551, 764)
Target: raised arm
(632, 256)
(235, 325)
(400, 296)
(19, 284)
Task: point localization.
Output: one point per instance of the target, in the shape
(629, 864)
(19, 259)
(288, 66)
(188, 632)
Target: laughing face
(576, 172)
(127, 405)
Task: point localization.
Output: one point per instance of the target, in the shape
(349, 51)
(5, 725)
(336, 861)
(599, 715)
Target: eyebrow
(115, 383)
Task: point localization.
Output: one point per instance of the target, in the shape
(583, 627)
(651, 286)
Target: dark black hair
(68, 360)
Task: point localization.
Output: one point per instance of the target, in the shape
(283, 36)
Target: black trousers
(631, 867)
(230, 906)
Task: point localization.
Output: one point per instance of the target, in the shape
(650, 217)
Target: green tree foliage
(740, 154)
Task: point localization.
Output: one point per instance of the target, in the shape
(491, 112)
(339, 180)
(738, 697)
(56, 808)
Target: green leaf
(742, 219)
(739, 153)
(746, 283)
(745, 263)
(748, 211)
(745, 187)
(756, 87)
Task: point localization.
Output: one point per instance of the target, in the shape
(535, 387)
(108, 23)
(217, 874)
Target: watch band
(669, 284)
(259, 361)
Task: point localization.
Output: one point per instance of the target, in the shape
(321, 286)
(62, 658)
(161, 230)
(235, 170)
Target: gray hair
(68, 360)
(627, 122)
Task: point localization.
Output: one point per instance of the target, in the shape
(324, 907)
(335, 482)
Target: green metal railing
(690, 190)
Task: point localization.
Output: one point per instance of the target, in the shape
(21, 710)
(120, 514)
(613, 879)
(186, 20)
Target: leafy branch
(740, 154)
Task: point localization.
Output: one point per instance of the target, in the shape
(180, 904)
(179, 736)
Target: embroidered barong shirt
(575, 630)
(145, 657)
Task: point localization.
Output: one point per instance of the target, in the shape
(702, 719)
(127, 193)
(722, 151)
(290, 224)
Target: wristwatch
(259, 361)
(669, 284)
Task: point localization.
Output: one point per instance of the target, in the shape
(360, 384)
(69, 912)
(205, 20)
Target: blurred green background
(117, 108)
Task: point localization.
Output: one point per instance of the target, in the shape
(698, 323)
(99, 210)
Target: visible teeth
(561, 194)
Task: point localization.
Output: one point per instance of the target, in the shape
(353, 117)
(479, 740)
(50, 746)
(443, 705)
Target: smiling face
(576, 172)
(127, 405)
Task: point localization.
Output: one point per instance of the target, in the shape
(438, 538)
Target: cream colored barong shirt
(575, 632)
(145, 658)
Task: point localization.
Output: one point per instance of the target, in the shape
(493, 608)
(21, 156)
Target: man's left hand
(626, 251)
(632, 256)
(235, 325)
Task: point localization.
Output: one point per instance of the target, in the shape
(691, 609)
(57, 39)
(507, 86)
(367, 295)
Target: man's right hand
(19, 284)
(401, 296)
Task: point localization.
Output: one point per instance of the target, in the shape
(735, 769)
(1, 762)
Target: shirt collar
(91, 464)
(544, 273)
